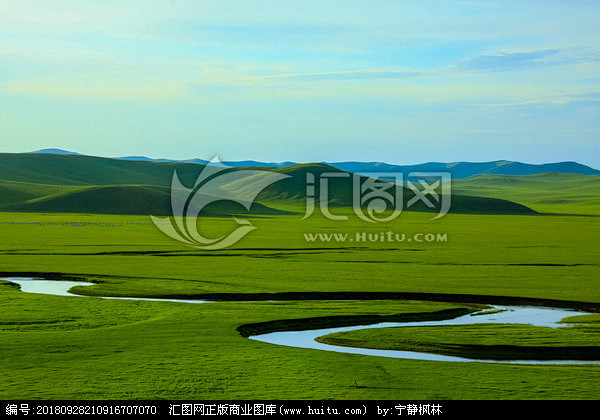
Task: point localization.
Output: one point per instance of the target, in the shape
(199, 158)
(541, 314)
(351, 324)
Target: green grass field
(547, 193)
(493, 341)
(81, 347)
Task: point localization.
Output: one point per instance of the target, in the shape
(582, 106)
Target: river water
(532, 315)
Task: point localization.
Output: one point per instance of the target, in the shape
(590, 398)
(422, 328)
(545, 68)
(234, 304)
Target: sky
(395, 81)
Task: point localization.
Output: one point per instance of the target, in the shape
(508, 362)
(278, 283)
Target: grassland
(486, 341)
(546, 193)
(529, 256)
(82, 347)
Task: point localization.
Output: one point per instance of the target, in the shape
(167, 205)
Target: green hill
(548, 192)
(38, 182)
(293, 190)
(125, 199)
(12, 192)
(44, 168)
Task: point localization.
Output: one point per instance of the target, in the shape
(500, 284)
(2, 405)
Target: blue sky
(395, 81)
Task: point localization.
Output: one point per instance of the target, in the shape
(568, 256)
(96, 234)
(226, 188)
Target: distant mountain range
(459, 170)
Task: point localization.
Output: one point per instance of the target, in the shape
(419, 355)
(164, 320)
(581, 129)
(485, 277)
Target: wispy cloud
(367, 74)
(507, 61)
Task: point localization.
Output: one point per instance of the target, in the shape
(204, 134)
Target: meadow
(82, 347)
(483, 342)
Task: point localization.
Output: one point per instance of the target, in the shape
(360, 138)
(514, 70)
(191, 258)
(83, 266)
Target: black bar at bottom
(285, 408)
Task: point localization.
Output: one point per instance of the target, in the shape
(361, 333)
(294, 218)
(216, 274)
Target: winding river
(533, 315)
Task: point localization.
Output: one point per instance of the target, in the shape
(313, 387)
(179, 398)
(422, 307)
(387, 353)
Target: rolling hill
(63, 169)
(548, 192)
(126, 199)
(12, 192)
(37, 182)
